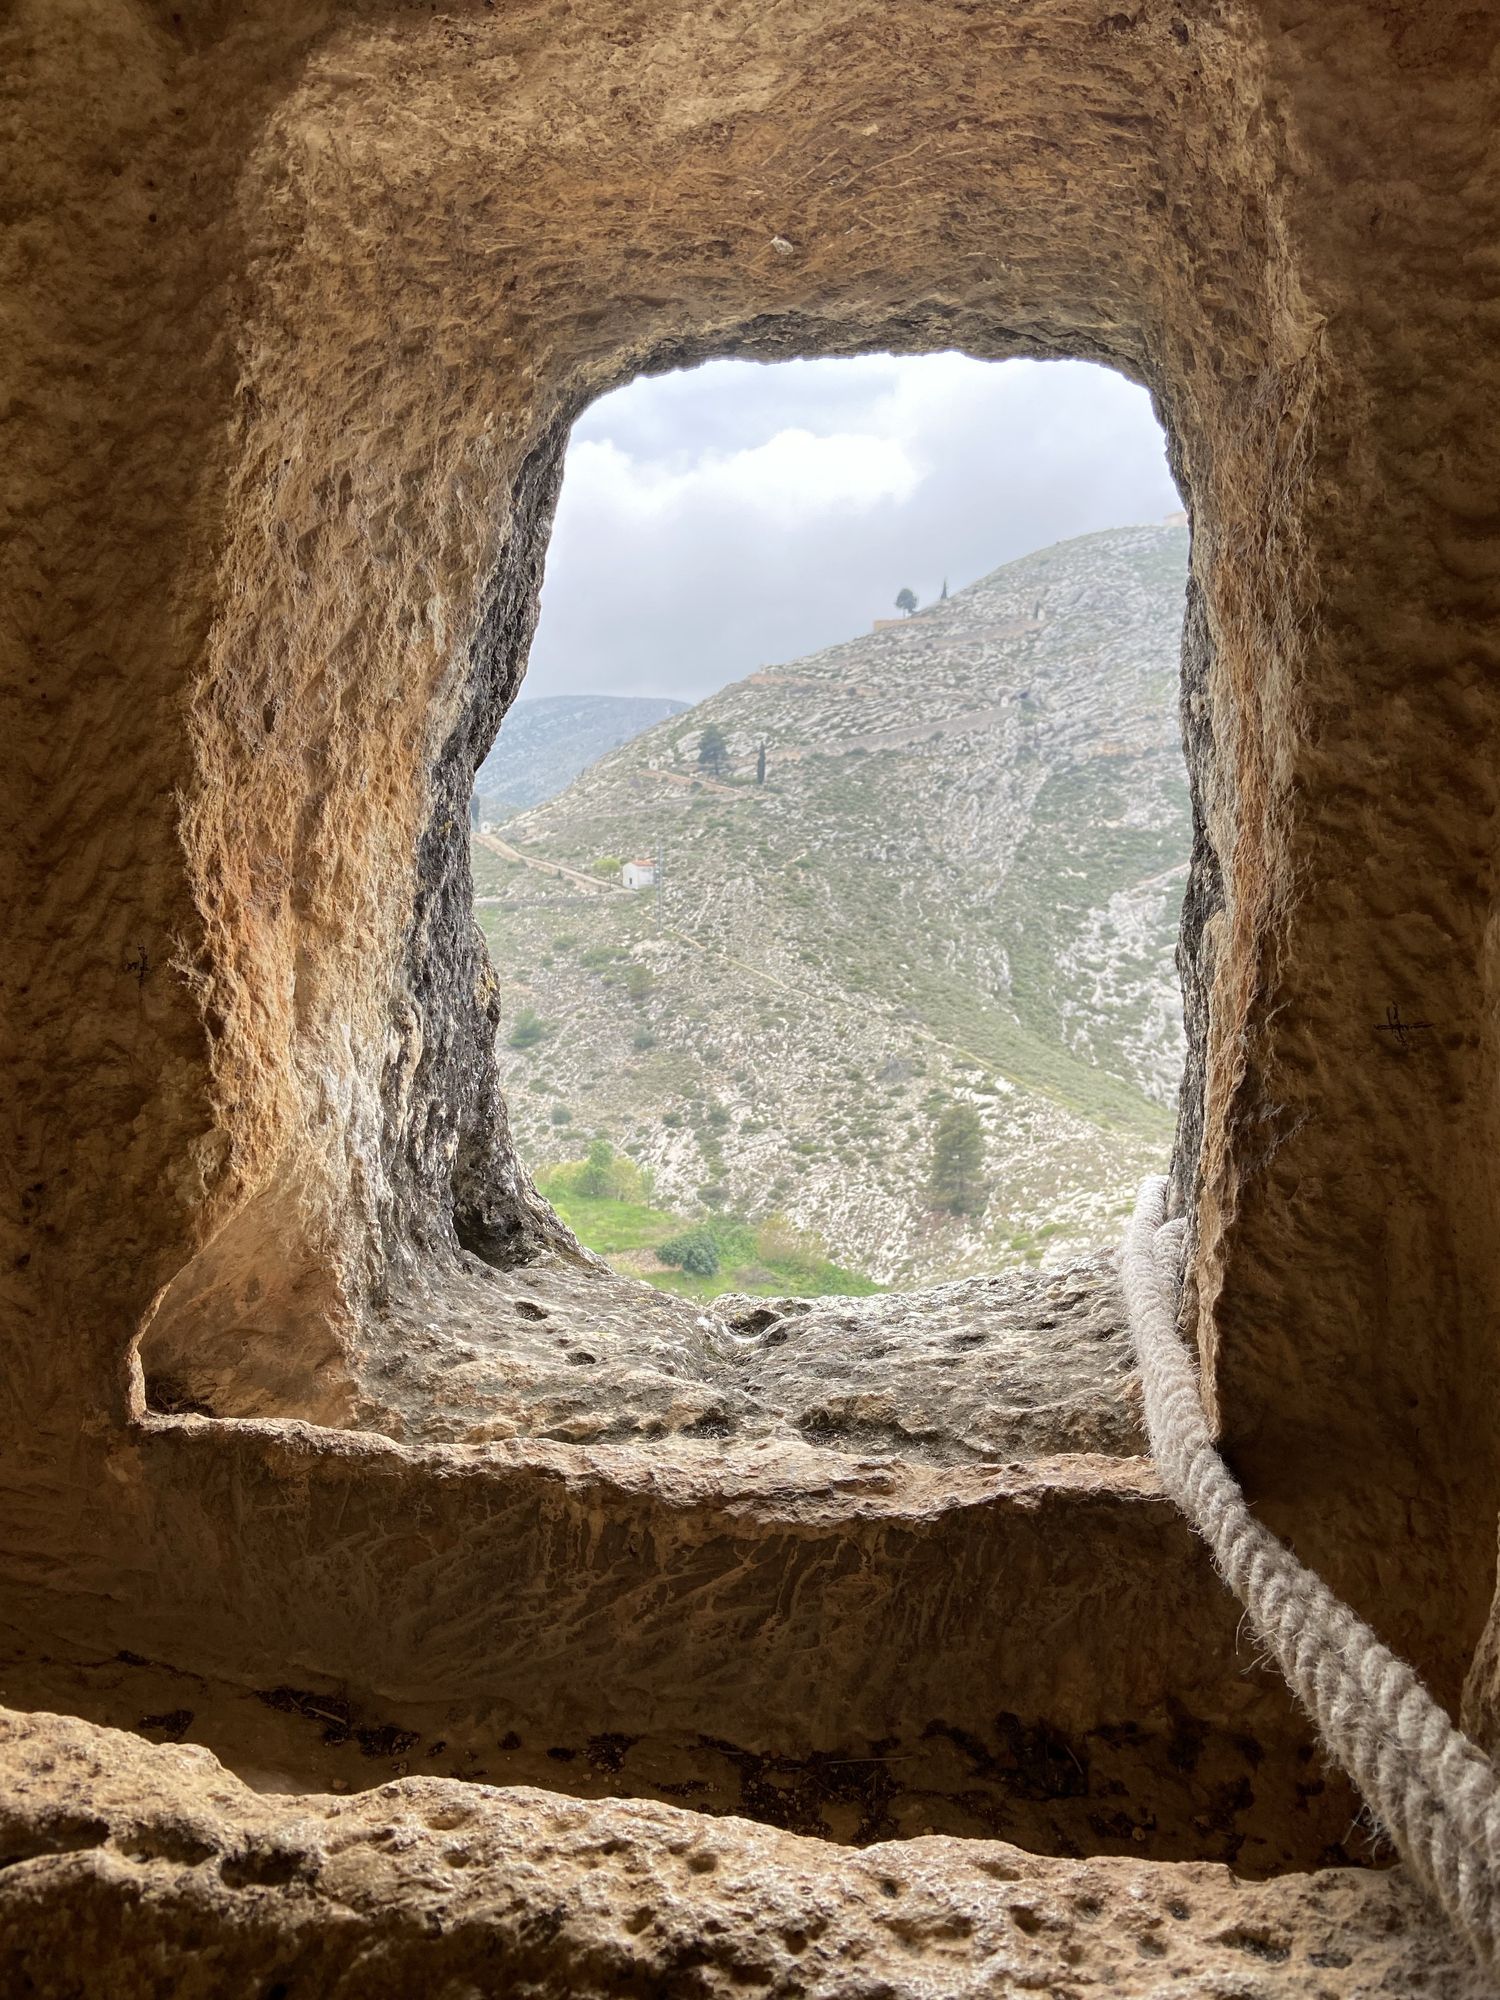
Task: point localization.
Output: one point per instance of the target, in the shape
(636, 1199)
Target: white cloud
(795, 472)
(738, 514)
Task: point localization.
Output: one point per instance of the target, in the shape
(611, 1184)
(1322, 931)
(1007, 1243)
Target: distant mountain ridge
(960, 882)
(545, 742)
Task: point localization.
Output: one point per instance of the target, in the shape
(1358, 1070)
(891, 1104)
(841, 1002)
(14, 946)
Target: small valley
(548, 740)
(894, 999)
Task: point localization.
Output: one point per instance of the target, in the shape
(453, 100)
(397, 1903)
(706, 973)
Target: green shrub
(561, 1115)
(603, 1175)
(694, 1251)
(595, 1174)
(528, 1029)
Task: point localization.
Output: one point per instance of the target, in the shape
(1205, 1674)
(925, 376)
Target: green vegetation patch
(605, 1200)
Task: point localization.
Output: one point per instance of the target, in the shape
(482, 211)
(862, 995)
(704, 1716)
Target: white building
(639, 874)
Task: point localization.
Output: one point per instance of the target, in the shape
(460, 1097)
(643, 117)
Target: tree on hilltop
(906, 600)
(713, 751)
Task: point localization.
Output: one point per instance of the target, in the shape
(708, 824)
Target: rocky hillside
(546, 742)
(959, 882)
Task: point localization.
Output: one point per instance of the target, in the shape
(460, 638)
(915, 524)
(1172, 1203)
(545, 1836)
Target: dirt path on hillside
(688, 778)
(556, 869)
(1155, 881)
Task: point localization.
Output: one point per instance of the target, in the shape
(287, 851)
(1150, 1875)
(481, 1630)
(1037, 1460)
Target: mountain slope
(960, 881)
(544, 743)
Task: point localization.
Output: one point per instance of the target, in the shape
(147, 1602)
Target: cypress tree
(955, 1183)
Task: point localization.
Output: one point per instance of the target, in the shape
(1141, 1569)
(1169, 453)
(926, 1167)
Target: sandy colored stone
(986, 1368)
(159, 1863)
(994, 1369)
(843, 1643)
(301, 297)
(306, 298)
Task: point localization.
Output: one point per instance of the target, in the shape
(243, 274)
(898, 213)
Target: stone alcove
(317, 291)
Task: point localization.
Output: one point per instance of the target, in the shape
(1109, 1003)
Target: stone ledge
(859, 1647)
(157, 1864)
(1019, 1366)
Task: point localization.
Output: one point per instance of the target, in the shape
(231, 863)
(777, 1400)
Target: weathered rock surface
(989, 1368)
(998, 1368)
(301, 297)
(287, 411)
(846, 1644)
(157, 1863)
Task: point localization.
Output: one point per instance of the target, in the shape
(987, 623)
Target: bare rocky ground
(981, 1369)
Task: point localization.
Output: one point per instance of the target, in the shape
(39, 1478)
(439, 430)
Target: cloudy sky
(737, 515)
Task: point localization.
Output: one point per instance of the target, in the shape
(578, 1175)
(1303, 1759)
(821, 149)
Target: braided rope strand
(1435, 1793)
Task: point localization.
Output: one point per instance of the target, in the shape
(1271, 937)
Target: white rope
(1435, 1793)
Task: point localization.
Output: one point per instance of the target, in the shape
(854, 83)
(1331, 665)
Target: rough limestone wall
(360, 343)
(158, 1866)
(385, 491)
(1348, 1191)
(304, 296)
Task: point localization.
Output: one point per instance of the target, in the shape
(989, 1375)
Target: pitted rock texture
(305, 296)
(323, 288)
(984, 1369)
(158, 1864)
(1162, 1788)
(848, 1645)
